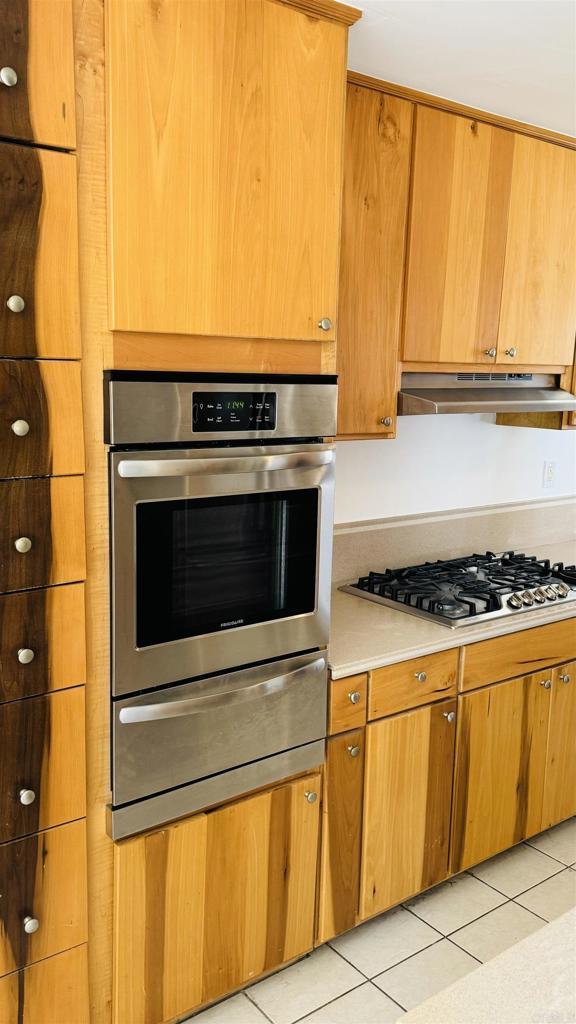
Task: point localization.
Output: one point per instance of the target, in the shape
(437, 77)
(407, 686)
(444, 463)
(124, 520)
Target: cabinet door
(407, 799)
(37, 88)
(538, 313)
(225, 156)
(560, 788)
(375, 207)
(53, 991)
(500, 766)
(203, 906)
(460, 194)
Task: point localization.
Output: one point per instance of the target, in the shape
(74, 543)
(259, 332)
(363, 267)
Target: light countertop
(365, 635)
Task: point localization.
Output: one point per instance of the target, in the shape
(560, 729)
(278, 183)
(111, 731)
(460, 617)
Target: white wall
(446, 462)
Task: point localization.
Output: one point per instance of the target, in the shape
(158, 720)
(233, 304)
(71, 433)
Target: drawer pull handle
(565, 679)
(546, 683)
(27, 797)
(15, 303)
(31, 925)
(354, 697)
(353, 751)
(311, 796)
(449, 716)
(20, 428)
(8, 76)
(421, 677)
(23, 545)
(25, 655)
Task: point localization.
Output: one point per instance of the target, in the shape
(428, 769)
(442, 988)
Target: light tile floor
(391, 964)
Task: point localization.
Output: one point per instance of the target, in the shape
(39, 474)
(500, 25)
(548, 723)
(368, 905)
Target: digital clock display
(233, 410)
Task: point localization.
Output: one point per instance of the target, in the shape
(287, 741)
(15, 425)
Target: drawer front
(36, 42)
(409, 684)
(518, 654)
(348, 703)
(41, 532)
(43, 878)
(42, 641)
(40, 418)
(39, 311)
(42, 768)
(54, 991)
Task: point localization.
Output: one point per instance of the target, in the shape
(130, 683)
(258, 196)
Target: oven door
(220, 558)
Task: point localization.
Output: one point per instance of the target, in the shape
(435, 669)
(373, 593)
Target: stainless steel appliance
(221, 506)
(433, 393)
(463, 591)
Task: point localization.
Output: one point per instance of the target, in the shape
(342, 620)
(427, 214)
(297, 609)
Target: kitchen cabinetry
(53, 991)
(204, 906)
(248, 243)
(560, 783)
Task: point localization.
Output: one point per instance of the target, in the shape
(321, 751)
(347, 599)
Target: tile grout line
(404, 959)
(522, 891)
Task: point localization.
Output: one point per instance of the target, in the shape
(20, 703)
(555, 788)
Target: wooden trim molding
(453, 107)
(331, 10)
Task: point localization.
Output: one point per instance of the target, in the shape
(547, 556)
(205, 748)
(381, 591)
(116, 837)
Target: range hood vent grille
(503, 377)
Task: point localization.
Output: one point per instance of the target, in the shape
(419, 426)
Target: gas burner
(463, 590)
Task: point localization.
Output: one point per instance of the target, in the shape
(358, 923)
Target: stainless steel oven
(221, 509)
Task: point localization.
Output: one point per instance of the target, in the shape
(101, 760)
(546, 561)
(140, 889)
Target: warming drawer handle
(197, 705)
(210, 467)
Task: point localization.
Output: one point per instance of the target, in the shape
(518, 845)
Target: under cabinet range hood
(432, 393)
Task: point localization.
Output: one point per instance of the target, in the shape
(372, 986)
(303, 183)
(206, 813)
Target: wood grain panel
(375, 209)
(500, 766)
(339, 879)
(407, 803)
(343, 713)
(44, 877)
(36, 41)
(51, 514)
(54, 991)
(38, 252)
(43, 749)
(538, 314)
(460, 194)
(327, 9)
(397, 687)
(560, 785)
(50, 623)
(518, 653)
(47, 395)
(248, 244)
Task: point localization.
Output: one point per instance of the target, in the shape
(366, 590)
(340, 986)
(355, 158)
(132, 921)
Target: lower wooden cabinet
(54, 991)
(560, 783)
(407, 802)
(204, 906)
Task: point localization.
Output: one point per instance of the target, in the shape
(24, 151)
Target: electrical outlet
(549, 474)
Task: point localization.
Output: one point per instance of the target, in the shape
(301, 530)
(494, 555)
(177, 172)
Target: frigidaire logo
(235, 622)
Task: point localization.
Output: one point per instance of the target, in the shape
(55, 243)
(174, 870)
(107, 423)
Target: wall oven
(221, 509)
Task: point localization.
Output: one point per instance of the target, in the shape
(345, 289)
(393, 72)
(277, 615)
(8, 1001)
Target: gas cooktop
(463, 591)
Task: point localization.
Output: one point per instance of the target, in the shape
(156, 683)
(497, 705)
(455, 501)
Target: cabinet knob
(25, 655)
(31, 925)
(421, 677)
(565, 678)
(23, 544)
(449, 715)
(20, 428)
(353, 751)
(386, 421)
(354, 697)
(325, 324)
(8, 76)
(490, 352)
(27, 797)
(511, 352)
(15, 303)
(311, 796)
(546, 683)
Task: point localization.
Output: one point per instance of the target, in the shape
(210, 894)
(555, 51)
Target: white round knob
(31, 925)
(386, 421)
(511, 352)
(421, 677)
(8, 76)
(325, 324)
(449, 715)
(311, 796)
(546, 683)
(25, 655)
(20, 428)
(354, 697)
(15, 303)
(490, 352)
(565, 678)
(353, 751)
(27, 797)
(23, 544)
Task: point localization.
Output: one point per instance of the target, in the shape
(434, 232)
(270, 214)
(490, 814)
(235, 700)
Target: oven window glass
(209, 564)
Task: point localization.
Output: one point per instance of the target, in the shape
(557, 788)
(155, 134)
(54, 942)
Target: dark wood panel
(20, 204)
(14, 47)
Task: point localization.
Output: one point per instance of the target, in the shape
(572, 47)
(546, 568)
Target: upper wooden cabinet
(492, 246)
(37, 78)
(225, 125)
(376, 178)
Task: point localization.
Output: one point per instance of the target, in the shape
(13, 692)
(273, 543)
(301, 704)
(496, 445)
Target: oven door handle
(197, 705)
(210, 467)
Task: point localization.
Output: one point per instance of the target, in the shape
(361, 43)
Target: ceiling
(511, 57)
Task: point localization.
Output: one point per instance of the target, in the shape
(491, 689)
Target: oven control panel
(233, 410)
